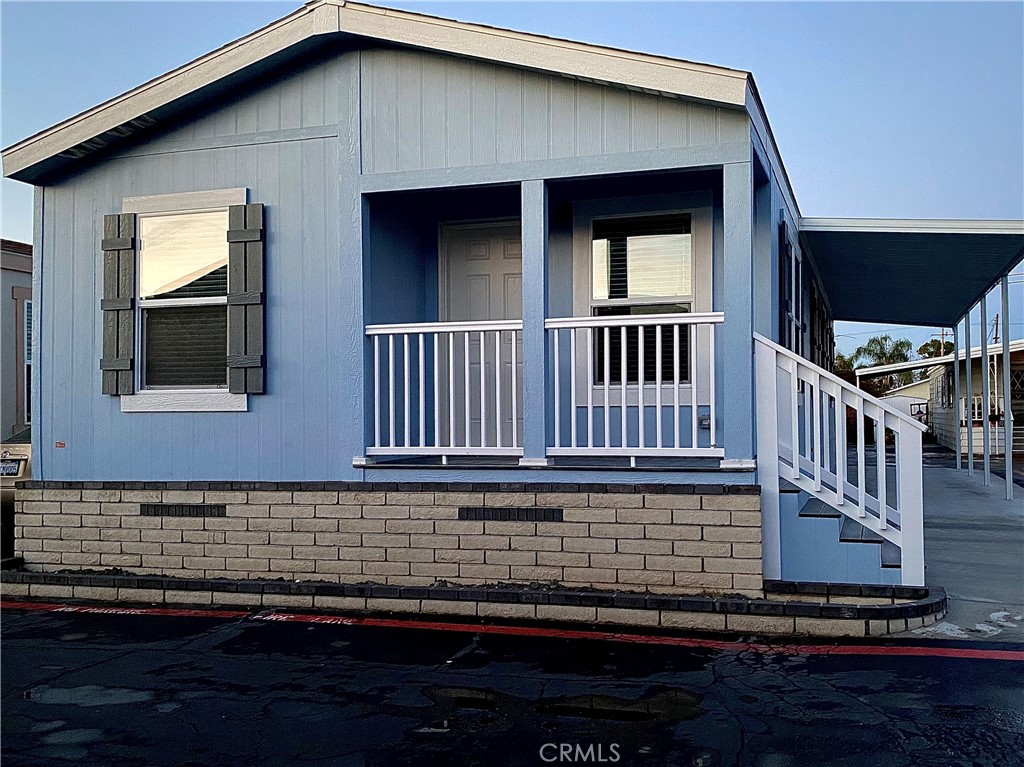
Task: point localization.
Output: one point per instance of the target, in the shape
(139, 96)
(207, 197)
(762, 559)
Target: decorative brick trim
(816, 588)
(183, 510)
(834, 619)
(380, 487)
(511, 514)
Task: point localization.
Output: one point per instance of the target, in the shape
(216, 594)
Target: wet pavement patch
(132, 690)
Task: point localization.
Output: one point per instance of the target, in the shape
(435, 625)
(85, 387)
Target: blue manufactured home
(374, 296)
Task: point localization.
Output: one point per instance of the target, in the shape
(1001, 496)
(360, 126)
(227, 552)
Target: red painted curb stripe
(536, 631)
(612, 636)
(56, 607)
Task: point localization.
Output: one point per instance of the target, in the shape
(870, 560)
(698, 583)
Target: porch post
(1007, 400)
(956, 395)
(735, 386)
(969, 409)
(986, 447)
(535, 310)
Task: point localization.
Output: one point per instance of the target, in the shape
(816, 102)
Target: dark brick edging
(654, 488)
(818, 588)
(934, 601)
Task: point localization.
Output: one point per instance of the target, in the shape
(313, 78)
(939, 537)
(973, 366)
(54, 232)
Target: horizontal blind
(186, 346)
(642, 257)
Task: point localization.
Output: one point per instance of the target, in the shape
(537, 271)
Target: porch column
(969, 409)
(535, 310)
(1007, 400)
(956, 396)
(735, 382)
(986, 447)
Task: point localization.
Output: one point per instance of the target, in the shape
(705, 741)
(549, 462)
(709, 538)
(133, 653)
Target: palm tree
(884, 350)
(935, 348)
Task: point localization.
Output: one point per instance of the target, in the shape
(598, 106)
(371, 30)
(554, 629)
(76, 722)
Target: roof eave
(127, 113)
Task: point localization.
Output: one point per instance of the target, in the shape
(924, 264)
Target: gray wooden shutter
(117, 304)
(245, 299)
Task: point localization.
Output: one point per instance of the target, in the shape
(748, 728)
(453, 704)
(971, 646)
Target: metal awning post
(986, 446)
(956, 396)
(969, 408)
(1007, 401)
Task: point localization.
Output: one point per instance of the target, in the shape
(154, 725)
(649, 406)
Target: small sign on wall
(60, 444)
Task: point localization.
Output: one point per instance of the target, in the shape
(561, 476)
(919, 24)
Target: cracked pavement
(150, 690)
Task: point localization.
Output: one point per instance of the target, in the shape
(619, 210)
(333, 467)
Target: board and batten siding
(288, 433)
(425, 111)
(295, 143)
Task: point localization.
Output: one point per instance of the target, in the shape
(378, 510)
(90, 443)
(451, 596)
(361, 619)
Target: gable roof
(334, 21)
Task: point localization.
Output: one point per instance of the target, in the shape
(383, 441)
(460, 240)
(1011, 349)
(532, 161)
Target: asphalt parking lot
(107, 689)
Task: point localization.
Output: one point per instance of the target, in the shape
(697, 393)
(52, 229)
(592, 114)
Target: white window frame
(698, 206)
(163, 400)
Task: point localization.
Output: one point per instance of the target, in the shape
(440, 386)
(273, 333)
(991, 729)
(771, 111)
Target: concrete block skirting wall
(655, 538)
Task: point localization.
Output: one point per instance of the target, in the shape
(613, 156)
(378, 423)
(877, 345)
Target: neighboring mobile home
(943, 410)
(369, 296)
(16, 346)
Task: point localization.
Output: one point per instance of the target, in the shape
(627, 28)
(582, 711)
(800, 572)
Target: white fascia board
(138, 102)
(912, 225)
(647, 72)
(656, 74)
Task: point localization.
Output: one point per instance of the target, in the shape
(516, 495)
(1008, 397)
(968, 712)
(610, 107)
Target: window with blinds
(642, 265)
(642, 258)
(183, 300)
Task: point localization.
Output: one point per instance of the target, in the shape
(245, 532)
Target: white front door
(481, 278)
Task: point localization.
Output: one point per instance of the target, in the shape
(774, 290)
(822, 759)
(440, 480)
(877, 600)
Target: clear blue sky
(880, 109)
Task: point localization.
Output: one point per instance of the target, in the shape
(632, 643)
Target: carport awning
(910, 272)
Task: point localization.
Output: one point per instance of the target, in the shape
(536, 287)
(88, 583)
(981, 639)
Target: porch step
(785, 486)
(891, 556)
(854, 532)
(819, 509)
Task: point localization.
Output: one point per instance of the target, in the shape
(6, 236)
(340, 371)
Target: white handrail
(634, 320)
(811, 452)
(442, 327)
(845, 385)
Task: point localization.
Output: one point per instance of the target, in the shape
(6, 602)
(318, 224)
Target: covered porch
(938, 273)
(576, 322)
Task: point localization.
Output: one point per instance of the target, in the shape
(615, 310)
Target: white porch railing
(634, 385)
(802, 418)
(447, 388)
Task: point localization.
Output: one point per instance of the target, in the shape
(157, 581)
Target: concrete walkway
(974, 547)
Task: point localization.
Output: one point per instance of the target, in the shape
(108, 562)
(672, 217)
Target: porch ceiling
(910, 272)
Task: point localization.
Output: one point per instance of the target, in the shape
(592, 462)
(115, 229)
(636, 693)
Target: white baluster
(406, 393)
(590, 387)
(607, 386)
(675, 378)
(483, 388)
(467, 417)
(558, 389)
(422, 392)
(573, 363)
(657, 384)
(641, 397)
(391, 390)
(623, 373)
(376, 391)
(499, 441)
(711, 384)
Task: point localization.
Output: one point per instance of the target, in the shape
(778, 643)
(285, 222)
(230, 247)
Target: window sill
(184, 401)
